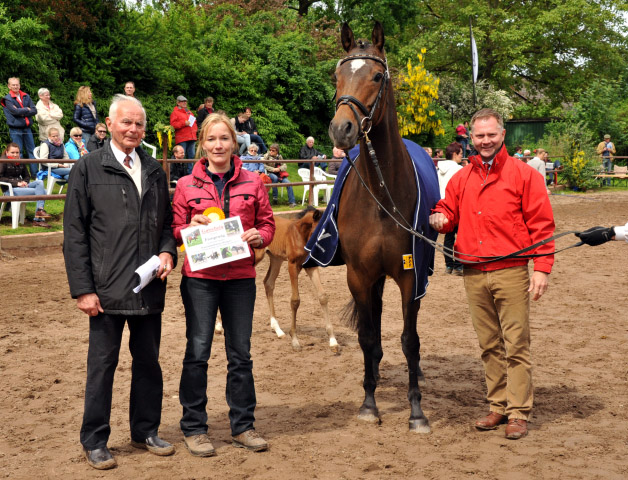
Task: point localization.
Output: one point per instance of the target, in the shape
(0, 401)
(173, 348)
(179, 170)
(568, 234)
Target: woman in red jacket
(218, 180)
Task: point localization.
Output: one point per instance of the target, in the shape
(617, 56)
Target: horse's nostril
(348, 127)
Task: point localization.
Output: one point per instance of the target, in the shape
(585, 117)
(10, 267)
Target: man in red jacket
(185, 127)
(500, 206)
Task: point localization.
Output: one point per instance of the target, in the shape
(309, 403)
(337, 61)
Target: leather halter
(367, 119)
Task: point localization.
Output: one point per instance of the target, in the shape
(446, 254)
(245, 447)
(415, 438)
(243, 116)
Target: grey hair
(309, 138)
(41, 91)
(118, 99)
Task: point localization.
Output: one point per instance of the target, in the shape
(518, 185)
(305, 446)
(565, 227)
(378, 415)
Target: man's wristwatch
(261, 241)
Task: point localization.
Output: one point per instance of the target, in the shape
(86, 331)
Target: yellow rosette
(214, 214)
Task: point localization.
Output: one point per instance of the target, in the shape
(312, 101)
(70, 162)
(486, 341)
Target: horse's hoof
(280, 333)
(420, 426)
(369, 417)
(334, 347)
(296, 347)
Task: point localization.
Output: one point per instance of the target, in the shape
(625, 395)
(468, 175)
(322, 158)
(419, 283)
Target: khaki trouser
(500, 310)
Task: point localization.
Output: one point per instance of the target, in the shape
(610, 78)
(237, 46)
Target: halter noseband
(367, 120)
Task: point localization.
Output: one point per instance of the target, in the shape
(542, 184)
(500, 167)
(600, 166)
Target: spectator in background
(538, 161)
(185, 127)
(252, 161)
(439, 153)
(277, 170)
(17, 175)
(48, 116)
(129, 89)
(527, 155)
(338, 154)
(244, 123)
(462, 137)
(99, 138)
(204, 110)
(606, 149)
(75, 146)
(85, 114)
(429, 151)
(53, 149)
(446, 169)
(178, 170)
(243, 138)
(19, 110)
(518, 152)
(308, 152)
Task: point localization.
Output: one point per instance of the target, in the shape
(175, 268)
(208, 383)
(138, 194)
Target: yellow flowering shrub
(417, 90)
(580, 171)
(161, 129)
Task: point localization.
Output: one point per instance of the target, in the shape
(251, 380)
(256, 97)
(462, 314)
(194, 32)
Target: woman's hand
(199, 220)
(253, 238)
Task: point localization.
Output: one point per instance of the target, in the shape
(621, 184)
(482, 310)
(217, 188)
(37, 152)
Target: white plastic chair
(18, 209)
(322, 176)
(152, 148)
(304, 173)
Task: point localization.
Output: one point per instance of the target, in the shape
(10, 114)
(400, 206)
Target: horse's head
(361, 80)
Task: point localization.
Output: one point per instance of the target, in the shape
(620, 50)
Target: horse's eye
(378, 77)
(334, 78)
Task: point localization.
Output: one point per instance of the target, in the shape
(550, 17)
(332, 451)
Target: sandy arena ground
(308, 400)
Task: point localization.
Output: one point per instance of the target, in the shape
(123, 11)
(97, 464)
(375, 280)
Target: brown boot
(516, 429)
(491, 421)
(250, 440)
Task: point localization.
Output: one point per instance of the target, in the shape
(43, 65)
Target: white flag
(474, 58)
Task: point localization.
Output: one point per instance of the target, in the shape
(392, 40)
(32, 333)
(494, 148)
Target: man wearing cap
(185, 127)
(606, 149)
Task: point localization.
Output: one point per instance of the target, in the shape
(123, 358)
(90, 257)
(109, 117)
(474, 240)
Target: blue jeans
(236, 300)
(608, 166)
(62, 172)
(245, 142)
(276, 179)
(189, 147)
(24, 138)
(36, 187)
(86, 136)
(105, 337)
(260, 143)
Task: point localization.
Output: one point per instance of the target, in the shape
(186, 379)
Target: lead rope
(438, 246)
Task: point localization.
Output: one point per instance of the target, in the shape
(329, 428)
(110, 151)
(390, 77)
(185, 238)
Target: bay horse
(371, 244)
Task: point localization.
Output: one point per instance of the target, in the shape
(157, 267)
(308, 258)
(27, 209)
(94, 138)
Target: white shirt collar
(120, 155)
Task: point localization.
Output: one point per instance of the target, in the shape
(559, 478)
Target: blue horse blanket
(323, 244)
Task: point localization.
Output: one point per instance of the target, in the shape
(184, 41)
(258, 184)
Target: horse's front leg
(269, 286)
(315, 277)
(368, 310)
(410, 345)
(295, 300)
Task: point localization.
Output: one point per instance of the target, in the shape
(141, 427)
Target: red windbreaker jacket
(244, 194)
(182, 132)
(499, 211)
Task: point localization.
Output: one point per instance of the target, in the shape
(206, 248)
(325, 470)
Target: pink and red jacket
(243, 195)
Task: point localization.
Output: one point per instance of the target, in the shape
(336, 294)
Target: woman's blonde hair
(209, 122)
(82, 96)
(76, 131)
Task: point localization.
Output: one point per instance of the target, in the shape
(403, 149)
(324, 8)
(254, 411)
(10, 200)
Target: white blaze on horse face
(357, 65)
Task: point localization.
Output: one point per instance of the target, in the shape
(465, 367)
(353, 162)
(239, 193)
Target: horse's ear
(377, 37)
(317, 215)
(346, 37)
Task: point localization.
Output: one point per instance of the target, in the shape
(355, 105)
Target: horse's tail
(350, 311)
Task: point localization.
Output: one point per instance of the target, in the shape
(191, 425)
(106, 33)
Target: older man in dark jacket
(117, 216)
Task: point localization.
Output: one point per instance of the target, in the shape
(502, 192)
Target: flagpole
(473, 60)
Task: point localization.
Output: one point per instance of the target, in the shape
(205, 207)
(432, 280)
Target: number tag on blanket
(408, 264)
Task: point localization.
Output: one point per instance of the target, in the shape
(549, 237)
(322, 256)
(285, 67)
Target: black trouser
(105, 336)
(450, 239)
